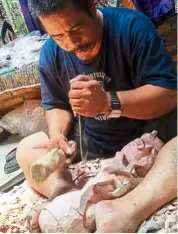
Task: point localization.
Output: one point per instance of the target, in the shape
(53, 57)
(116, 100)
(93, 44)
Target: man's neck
(100, 25)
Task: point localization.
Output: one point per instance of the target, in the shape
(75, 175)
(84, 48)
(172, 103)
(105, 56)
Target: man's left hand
(87, 97)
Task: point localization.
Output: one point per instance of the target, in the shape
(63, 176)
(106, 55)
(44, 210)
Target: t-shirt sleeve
(53, 96)
(52, 93)
(150, 60)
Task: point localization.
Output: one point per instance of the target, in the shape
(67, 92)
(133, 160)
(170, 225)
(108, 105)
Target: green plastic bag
(15, 17)
(109, 3)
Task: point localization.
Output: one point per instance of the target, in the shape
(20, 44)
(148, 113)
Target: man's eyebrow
(74, 26)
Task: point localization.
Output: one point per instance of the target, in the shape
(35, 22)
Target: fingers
(42, 145)
(33, 216)
(69, 161)
(66, 148)
(69, 149)
(81, 78)
(53, 143)
(32, 221)
(75, 94)
(72, 156)
(77, 102)
(60, 144)
(78, 85)
(80, 82)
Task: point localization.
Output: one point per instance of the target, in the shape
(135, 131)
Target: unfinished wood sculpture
(45, 166)
(75, 211)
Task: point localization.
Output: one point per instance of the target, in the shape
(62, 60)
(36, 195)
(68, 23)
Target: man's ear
(93, 6)
(39, 24)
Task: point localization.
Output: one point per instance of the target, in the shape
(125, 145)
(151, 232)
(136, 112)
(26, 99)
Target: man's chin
(84, 56)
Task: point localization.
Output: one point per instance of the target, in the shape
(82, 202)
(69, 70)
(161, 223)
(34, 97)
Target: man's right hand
(58, 140)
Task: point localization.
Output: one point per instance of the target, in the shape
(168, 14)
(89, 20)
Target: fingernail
(69, 151)
(71, 81)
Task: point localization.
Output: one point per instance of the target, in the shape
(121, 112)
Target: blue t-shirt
(132, 54)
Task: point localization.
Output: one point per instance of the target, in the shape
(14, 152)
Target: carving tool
(83, 139)
(82, 135)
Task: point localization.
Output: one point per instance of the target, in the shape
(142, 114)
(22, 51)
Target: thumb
(41, 146)
(62, 145)
(66, 148)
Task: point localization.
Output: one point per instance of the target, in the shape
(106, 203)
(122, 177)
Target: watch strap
(115, 102)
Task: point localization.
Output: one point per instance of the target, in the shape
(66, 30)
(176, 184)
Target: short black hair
(46, 7)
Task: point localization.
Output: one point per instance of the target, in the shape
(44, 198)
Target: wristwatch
(116, 109)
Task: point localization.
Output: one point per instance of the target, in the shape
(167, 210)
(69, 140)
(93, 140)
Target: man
(110, 66)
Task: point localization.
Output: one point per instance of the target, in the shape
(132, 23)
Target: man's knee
(26, 146)
(168, 126)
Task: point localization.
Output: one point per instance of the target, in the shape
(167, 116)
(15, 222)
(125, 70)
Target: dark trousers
(166, 126)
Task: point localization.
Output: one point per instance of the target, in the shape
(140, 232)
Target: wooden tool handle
(45, 166)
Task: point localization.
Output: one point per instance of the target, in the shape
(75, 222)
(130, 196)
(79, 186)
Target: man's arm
(59, 121)
(147, 102)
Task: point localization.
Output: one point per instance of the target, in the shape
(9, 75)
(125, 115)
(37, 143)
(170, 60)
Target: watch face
(115, 114)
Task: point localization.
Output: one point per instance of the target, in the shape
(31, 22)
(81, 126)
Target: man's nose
(73, 40)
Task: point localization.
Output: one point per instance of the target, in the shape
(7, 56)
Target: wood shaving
(15, 205)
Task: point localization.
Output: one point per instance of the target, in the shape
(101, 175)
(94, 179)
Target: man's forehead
(59, 20)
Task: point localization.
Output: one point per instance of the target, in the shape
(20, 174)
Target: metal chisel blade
(83, 139)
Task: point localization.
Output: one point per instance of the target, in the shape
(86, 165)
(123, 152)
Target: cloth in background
(30, 22)
(156, 10)
(31, 25)
(12, 13)
(128, 4)
(2, 12)
(7, 33)
(2, 18)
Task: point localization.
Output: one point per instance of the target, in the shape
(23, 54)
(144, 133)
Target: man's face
(74, 31)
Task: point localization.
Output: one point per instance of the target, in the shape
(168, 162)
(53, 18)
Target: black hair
(46, 7)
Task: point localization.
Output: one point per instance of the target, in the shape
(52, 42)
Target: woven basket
(19, 86)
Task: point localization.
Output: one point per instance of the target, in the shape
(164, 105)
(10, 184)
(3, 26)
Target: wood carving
(75, 211)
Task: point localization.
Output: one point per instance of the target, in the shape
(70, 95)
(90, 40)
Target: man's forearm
(59, 121)
(147, 102)
(158, 187)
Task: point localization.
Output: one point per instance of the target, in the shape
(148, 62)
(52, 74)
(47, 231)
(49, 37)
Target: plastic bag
(25, 120)
(107, 3)
(33, 121)
(11, 121)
